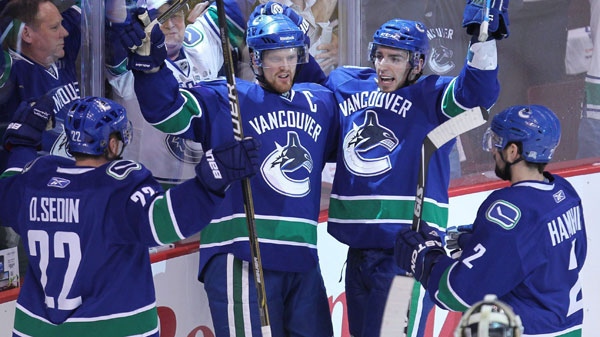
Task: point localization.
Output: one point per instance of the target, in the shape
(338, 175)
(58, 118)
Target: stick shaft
(248, 200)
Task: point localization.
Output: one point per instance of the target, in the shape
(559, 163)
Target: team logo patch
(121, 168)
(288, 167)
(184, 150)
(192, 36)
(367, 147)
(58, 182)
(504, 214)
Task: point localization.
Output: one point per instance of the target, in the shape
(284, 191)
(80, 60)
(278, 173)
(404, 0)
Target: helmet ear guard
(489, 318)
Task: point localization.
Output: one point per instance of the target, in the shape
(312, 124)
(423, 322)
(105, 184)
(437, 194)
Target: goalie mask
(489, 318)
(277, 31)
(402, 34)
(534, 126)
(90, 122)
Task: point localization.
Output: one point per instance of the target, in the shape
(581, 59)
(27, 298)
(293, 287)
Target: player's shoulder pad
(46, 163)
(348, 73)
(121, 169)
(31, 164)
(310, 86)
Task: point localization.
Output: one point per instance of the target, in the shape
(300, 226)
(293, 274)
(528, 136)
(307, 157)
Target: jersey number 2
(59, 241)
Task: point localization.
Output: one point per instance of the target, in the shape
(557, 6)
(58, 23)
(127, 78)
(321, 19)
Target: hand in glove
(151, 54)
(29, 122)
(474, 17)
(144, 40)
(228, 163)
(417, 252)
(456, 236)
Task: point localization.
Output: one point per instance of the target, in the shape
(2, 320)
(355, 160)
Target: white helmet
(489, 318)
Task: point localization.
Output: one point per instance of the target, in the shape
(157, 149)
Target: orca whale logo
(363, 144)
(183, 149)
(288, 167)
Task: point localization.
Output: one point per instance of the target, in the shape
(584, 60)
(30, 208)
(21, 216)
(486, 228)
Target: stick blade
(455, 126)
(395, 314)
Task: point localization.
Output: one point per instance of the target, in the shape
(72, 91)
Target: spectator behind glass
(589, 127)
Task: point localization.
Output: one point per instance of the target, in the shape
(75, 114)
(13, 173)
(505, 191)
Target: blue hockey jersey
(87, 231)
(376, 175)
(528, 247)
(298, 132)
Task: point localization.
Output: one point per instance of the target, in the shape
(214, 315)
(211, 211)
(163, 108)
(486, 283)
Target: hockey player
(194, 54)
(531, 234)
(87, 224)
(489, 318)
(385, 113)
(297, 125)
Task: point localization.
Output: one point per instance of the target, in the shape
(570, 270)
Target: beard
(503, 174)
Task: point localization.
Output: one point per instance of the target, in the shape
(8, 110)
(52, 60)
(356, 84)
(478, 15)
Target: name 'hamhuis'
(375, 99)
(565, 225)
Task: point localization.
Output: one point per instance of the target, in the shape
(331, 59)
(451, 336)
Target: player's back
(85, 261)
(540, 230)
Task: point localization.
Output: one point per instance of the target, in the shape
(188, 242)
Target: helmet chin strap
(118, 156)
(505, 174)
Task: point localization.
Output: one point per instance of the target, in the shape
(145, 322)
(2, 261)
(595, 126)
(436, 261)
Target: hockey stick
(399, 297)
(236, 119)
(483, 28)
(175, 7)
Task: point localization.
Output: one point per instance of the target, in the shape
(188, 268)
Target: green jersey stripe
(179, 122)
(163, 220)
(137, 324)
(385, 210)
(278, 229)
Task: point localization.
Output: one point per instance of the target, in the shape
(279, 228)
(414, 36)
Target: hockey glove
(417, 252)
(225, 164)
(474, 15)
(29, 122)
(130, 32)
(272, 7)
(456, 236)
(151, 55)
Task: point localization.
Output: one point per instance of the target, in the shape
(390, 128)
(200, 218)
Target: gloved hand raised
(29, 122)
(474, 16)
(145, 42)
(417, 252)
(273, 7)
(151, 54)
(228, 163)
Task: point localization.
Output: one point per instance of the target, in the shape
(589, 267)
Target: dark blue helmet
(276, 31)
(534, 126)
(402, 34)
(90, 122)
